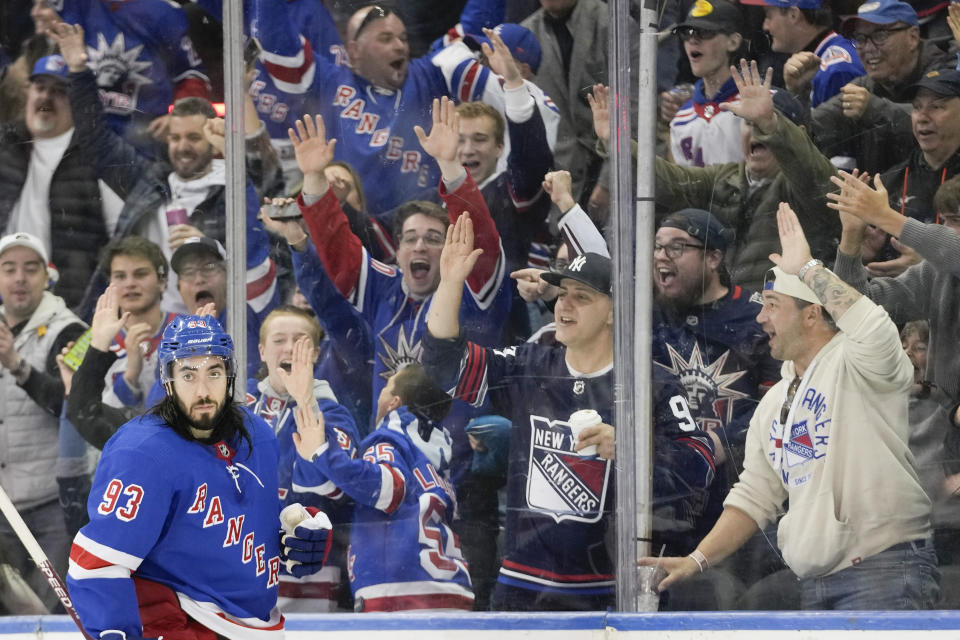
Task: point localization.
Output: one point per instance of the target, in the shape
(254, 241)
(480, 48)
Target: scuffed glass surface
(486, 503)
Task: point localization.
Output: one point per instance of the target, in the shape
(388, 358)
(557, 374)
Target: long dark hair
(229, 421)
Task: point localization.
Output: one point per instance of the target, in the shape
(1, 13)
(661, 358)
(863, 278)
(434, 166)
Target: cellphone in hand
(289, 211)
(79, 349)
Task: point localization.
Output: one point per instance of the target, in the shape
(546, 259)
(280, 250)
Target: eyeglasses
(433, 239)
(376, 12)
(878, 37)
(206, 270)
(559, 264)
(675, 249)
(689, 33)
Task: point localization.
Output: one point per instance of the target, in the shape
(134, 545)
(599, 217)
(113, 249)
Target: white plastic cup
(580, 420)
(648, 577)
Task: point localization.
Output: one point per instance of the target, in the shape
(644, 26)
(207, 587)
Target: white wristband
(697, 556)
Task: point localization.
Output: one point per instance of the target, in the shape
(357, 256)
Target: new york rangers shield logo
(799, 448)
(560, 482)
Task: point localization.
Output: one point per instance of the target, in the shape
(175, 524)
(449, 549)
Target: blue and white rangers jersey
(559, 502)
(839, 64)
(276, 409)
(200, 519)
(316, 592)
(141, 54)
(702, 134)
(398, 320)
(471, 81)
(403, 554)
(373, 125)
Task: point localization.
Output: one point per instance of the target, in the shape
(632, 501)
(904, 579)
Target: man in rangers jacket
(823, 61)
(559, 500)
(706, 334)
(830, 437)
(183, 536)
(373, 106)
(394, 301)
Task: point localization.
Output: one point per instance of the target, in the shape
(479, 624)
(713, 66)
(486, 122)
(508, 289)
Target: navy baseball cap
(785, 103)
(713, 15)
(945, 82)
(53, 65)
(700, 224)
(198, 245)
(522, 43)
(883, 12)
(786, 4)
(592, 269)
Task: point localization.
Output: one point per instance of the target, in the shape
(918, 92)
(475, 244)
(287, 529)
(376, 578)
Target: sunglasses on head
(376, 12)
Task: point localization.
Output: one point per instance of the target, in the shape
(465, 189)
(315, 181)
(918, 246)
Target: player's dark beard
(226, 424)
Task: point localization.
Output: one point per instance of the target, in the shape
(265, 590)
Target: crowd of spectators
(426, 205)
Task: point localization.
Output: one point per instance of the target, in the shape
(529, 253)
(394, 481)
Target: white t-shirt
(31, 213)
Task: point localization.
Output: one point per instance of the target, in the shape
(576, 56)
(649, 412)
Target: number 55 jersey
(403, 554)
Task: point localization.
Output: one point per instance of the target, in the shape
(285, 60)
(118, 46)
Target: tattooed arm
(835, 295)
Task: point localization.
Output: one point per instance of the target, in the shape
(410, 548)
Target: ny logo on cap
(577, 263)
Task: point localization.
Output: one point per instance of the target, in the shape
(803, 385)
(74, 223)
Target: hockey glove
(305, 539)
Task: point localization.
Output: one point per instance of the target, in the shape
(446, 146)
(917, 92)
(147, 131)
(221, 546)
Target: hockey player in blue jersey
(271, 400)
(559, 500)
(403, 554)
(183, 536)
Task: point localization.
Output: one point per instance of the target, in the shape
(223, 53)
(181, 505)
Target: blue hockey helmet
(188, 336)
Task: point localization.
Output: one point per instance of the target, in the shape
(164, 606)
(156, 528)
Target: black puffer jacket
(77, 228)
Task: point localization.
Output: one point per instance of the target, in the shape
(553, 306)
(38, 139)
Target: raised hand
(311, 429)
(795, 252)
(137, 335)
(66, 373)
(444, 136)
(215, 131)
(501, 61)
(299, 382)
(458, 256)
(107, 321)
(854, 100)
(953, 20)
(208, 309)
(669, 103)
(531, 286)
(892, 268)
(69, 37)
(312, 149)
(599, 100)
(291, 229)
(756, 101)
(857, 198)
(799, 70)
(559, 185)
(180, 233)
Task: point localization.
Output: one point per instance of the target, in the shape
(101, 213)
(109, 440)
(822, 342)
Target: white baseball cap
(24, 239)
